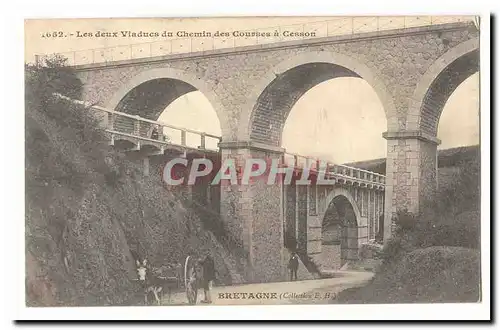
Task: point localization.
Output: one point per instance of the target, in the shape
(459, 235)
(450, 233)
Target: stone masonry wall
(396, 61)
(267, 229)
(411, 176)
(253, 213)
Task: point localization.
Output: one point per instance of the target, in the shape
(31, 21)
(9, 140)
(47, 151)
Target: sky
(340, 120)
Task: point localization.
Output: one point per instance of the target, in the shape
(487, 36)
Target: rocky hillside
(89, 211)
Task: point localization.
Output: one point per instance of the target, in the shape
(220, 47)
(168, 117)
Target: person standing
(293, 265)
(154, 133)
(208, 267)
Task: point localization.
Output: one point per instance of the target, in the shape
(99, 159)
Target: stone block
(314, 221)
(313, 246)
(393, 125)
(314, 233)
(362, 232)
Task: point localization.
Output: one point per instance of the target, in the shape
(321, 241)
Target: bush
(434, 274)
(405, 221)
(392, 249)
(452, 219)
(51, 76)
(432, 257)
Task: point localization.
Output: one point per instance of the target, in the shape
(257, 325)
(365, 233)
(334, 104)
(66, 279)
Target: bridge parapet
(191, 43)
(340, 173)
(141, 131)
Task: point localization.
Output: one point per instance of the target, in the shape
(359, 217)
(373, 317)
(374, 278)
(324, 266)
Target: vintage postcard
(252, 161)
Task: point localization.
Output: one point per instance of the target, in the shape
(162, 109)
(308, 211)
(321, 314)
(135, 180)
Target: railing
(119, 123)
(334, 27)
(126, 125)
(342, 171)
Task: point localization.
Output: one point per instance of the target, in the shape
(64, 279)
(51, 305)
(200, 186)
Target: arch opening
(186, 120)
(150, 98)
(459, 121)
(339, 234)
(443, 86)
(340, 120)
(305, 110)
(276, 101)
(458, 130)
(299, 90)
(174, 102)
(193, 111)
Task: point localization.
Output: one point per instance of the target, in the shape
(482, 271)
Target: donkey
(153, 280)
(149, 282)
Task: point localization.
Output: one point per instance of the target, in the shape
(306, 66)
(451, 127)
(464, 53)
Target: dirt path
(300, 292)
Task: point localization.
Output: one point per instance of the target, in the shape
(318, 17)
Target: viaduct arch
(439, 82)
(273, 97)
(343, 229)
(412, 70)
(149, 92)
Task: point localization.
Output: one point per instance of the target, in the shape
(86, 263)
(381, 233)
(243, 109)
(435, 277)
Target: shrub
(48, 77)
(405, 221)
(432, 257)
(433, 274)
(452, 219)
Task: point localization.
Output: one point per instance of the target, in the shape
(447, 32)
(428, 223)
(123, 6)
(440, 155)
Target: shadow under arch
(341, 224)
(161, 86)
(275, 94)
(438, 83)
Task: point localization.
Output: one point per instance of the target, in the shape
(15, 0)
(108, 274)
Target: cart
(191, 280)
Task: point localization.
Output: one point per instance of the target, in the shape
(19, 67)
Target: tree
(52, 75)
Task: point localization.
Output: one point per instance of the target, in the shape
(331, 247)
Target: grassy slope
(432, 274)
(89, 212)
(417, 267)
(446, 274)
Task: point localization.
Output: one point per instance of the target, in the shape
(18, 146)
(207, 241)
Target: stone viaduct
(253, 88)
